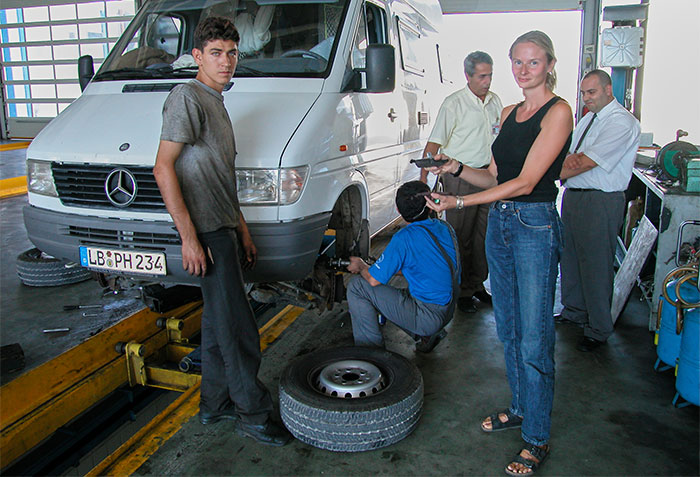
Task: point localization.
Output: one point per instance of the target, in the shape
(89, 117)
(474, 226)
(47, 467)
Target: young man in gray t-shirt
(196, 176)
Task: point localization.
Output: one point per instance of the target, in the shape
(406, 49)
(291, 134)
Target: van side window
(371, 29)
(410, 43)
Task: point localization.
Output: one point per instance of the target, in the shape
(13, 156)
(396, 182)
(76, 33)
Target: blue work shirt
(413, 252)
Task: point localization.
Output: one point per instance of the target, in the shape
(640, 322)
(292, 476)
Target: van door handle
(392, 115)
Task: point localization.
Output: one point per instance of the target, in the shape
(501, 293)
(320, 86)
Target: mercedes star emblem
(121, 187)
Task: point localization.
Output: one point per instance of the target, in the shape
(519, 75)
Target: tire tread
(37, 271)
(352, 425)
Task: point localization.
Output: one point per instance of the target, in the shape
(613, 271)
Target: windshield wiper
(130, 73)
(245, 70)
(167, 72)
(248, 71)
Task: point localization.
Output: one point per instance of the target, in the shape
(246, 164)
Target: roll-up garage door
(40, 43)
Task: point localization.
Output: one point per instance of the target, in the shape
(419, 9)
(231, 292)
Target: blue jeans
(523, 244)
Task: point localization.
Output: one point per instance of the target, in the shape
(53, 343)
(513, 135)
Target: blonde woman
(523, 241)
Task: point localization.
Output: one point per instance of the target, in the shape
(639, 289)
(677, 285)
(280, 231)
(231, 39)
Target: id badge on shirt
(495, 129)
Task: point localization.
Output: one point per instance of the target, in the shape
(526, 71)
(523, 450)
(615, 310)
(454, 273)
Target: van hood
(107, 126)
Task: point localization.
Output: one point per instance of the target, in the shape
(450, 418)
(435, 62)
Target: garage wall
(40, 43)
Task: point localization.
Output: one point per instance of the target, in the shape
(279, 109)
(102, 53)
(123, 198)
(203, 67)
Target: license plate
(147, 263)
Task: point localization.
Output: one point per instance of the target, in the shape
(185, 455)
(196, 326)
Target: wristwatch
(459, 170)
(460, 202)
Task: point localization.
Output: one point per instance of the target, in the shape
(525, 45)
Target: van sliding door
(378, 130)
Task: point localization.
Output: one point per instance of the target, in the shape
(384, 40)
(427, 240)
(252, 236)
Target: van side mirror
(380, 69)
(86, 70)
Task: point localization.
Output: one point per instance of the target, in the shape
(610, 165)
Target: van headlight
(40, 178)
(270, 186)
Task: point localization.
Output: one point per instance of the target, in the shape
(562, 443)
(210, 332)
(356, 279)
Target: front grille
(83, 185)
(123, 239)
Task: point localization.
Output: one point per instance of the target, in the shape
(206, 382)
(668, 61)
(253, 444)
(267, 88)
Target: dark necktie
(585, 131)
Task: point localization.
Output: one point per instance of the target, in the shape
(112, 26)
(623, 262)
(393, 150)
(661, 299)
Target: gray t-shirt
(194, 114)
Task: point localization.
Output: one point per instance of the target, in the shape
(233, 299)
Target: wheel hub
(350, 379)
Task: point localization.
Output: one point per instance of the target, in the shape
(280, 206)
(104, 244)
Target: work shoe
(466, 304)
(209, 417)
(270, 433)
(560, 319)
(587, 344)
(484, 297)
(425, 344)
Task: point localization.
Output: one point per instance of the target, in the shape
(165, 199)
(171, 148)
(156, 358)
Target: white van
(330, 101)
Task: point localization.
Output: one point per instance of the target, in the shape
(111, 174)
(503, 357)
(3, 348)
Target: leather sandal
(539, 453)
(514, 421)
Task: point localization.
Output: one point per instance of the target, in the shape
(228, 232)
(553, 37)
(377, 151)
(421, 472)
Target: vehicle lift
(143, 349)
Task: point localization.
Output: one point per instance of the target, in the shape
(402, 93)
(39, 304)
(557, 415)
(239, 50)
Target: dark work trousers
(592, 220)
(230, 340)
(397, 305)
(470, 227)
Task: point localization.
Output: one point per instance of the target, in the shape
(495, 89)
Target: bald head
(596, 90)
(602, 76)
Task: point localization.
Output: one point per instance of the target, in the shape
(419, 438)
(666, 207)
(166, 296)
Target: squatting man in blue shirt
(425, 253)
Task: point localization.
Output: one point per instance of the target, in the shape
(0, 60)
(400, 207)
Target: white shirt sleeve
(444, 124)
(616, 136)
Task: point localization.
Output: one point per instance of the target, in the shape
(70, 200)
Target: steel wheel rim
(349, 379)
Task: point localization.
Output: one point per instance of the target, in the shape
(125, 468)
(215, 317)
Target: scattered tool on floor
(79, 307)
(56, 330)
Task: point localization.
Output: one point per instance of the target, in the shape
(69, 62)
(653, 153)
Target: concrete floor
(12, 163)
(612, 413)
(26, 311)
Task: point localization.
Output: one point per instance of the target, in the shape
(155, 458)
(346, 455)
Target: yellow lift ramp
(142, 349)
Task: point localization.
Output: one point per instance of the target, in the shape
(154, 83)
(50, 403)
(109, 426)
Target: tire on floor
(384, 415)
(37, 269)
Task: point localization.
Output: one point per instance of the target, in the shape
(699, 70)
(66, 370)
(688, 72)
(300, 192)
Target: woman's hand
(450, 166)
(439, 202)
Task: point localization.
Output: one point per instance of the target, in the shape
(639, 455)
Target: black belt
(574, 189)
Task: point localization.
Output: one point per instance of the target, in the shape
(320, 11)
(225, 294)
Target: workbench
(667, 206)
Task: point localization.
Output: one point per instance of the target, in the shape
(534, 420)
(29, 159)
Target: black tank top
(512, 146)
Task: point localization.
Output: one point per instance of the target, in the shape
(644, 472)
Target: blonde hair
(540, 39)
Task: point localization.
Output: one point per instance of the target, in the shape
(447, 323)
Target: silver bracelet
(460, 202)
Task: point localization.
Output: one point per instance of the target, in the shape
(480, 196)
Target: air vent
(149, 88)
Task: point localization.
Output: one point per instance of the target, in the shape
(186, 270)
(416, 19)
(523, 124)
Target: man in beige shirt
(466, 125)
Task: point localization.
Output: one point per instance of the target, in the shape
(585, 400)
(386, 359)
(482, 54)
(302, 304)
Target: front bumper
(286, 250)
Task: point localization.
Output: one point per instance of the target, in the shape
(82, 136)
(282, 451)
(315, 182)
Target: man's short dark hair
(603, 77)
(214, 28)
(473, 59)
(410, 200)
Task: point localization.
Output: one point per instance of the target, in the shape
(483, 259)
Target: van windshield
(278, 38)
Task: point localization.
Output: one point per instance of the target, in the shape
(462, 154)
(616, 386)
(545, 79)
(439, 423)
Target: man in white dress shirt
(465, 127)
(596, 174)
